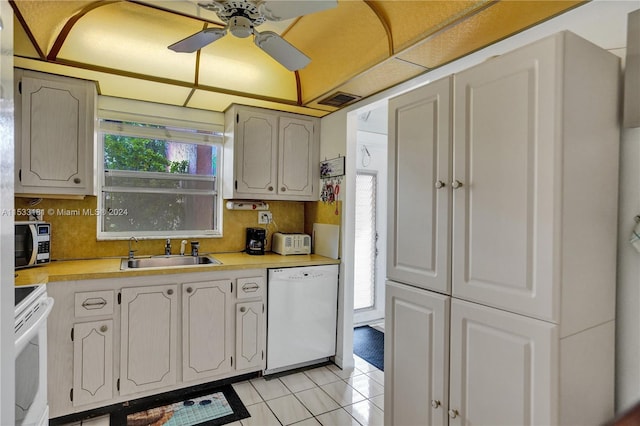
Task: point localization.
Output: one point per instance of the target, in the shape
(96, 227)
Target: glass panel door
(365, 244)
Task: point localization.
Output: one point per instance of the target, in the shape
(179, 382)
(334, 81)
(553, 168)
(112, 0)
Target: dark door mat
(213, 406)
(368, 344)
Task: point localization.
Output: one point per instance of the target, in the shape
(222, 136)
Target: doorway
(370, 218)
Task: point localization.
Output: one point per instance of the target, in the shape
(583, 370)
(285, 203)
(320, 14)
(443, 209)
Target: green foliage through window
(165, 186)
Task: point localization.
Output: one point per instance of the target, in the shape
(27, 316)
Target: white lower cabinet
(502, 368)
(115, 340)
(206, 349)
(148, 338)
(250, 323)
(249, 335)
(93, 362)
(416, 373)
(474, 365)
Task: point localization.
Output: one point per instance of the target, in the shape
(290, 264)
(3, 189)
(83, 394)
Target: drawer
(94, 303)
(250, 288)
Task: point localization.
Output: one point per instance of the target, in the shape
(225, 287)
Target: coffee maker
(256, 241)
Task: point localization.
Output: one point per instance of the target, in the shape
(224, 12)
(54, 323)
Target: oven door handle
(22, 341)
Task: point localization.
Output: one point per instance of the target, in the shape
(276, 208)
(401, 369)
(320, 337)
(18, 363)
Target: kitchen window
(158, 180)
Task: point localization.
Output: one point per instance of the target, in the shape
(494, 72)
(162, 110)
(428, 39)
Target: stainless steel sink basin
(167, 261)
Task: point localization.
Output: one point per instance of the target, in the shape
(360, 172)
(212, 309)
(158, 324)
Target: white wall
(7, 320)
(604, 23)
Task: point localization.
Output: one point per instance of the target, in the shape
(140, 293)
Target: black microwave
(32, 243)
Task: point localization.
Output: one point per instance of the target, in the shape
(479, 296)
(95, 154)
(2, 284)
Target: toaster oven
(284, 243)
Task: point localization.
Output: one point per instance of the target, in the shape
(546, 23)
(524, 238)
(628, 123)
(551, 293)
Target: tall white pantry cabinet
(500, 300)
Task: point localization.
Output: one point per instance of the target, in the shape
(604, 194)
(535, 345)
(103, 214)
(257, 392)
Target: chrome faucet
(167, 247)
(130, 250)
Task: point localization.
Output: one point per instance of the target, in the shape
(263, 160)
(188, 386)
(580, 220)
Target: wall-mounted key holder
(332, 168)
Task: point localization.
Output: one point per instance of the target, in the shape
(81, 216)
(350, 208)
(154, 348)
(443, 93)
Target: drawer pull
(189, 289)
(250, 287)
(104, 328)
(94, 303)
(243, 309)
(170, 291)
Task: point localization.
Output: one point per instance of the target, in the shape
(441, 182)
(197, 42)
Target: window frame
(213, 136)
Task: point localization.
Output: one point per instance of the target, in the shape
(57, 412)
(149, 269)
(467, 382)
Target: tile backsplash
(74, 235)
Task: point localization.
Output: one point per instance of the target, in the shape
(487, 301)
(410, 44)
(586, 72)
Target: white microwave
(285, 244)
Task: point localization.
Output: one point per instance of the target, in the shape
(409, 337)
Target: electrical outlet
(264, 218)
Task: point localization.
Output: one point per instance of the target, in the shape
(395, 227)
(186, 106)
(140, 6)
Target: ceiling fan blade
(281, 50)
(198, 40)
(279, 10)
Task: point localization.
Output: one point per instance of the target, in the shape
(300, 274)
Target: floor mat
(216, 406)
(368, 344)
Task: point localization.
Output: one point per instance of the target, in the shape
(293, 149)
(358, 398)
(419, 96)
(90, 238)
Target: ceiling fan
(242, 16)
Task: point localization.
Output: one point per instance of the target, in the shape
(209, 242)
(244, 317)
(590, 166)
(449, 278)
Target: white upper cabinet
(55, 134)
(536, 135)
(270, 155)
(506, 193)
(420, 175)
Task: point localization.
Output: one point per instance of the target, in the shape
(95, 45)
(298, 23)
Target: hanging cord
(366, 156)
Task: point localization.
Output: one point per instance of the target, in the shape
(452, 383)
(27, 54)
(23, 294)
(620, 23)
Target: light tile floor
(326, 396)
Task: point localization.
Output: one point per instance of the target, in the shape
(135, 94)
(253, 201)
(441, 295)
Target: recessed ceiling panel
(410, 21)
(22, 46)
(493, 24)
(387, 74)
(237, 64)
(132, 38)
(341, 42)
(151, 91)
(219, 102)
(46, 18)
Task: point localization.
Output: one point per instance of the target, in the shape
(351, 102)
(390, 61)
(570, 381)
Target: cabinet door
(54, 134)
(416, 356)
(503, 368)
(92, 362)
(256, 153)
(419, 191)
(206, 348)
(148, 338)
(296, 148)
(506, 161)
(250, 335)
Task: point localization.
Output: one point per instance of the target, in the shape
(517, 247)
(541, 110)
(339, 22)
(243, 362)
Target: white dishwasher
(302, 315)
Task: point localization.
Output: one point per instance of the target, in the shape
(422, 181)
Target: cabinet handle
(283, 189)
(435, 403)
(270, 188)
(453, 413)
(170, 291)
(104, 328)
(243, 309)
(456, 184)
(189, 289)
(77, 180)
(250, 287)
(440, 184)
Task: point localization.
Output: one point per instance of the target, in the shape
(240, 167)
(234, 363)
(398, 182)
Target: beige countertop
(72, 270)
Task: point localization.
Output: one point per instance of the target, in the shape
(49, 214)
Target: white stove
(32, 307)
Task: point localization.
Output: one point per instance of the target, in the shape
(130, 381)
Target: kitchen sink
(168, 261)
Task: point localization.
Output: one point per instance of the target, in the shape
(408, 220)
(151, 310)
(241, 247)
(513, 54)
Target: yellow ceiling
(361, 47)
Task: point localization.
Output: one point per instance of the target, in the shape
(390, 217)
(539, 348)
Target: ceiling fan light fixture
(281, 50)
(240, 26)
